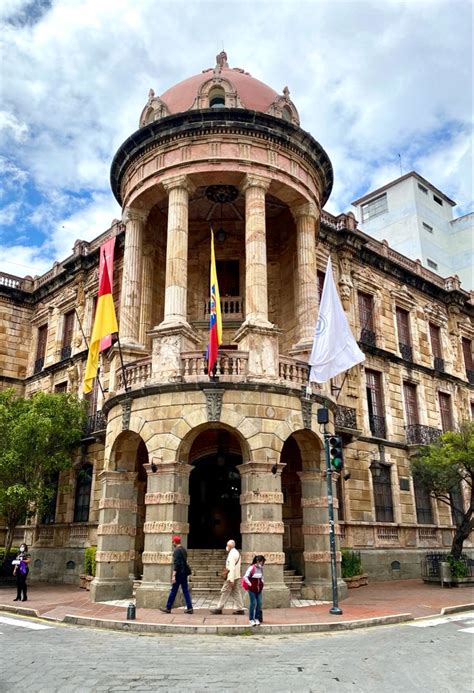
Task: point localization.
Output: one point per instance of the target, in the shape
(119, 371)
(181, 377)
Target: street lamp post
(335, 609)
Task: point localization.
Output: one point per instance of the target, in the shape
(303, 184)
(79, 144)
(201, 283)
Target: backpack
(244, 582)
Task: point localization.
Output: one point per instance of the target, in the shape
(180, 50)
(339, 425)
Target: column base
(104, 590)
(322, 589)
(152, 595)
(275, 597)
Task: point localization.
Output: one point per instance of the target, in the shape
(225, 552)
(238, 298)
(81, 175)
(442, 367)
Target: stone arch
(231, 96)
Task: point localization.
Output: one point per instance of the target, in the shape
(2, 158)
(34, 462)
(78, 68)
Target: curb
(21, 611)
(277, 629)
(456, 609)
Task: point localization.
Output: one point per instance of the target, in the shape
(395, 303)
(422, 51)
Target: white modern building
(416, 219)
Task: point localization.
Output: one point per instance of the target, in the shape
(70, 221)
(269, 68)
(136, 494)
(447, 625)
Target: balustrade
(421, 435)
(293, 371)
(231, 308)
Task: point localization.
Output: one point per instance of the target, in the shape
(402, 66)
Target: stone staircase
(206, 581)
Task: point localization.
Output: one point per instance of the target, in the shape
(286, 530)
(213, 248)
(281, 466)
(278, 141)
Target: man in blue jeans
(179, 577)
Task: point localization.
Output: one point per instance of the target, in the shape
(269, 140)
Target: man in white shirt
(231, 586)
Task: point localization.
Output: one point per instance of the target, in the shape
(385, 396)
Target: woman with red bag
(253, 583)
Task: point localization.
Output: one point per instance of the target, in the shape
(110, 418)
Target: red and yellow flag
(105, 323)
(215, 318)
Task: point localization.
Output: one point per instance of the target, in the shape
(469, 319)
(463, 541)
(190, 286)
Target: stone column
(115, 536)
(256, 288)
(306, 298)
(262, 527)
(166, 503)
(317, 557)
(130, 299)
(176, 282)
(257, 335)
(174, 334)
(147, 293)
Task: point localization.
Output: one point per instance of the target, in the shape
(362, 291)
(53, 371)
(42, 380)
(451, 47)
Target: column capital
(181, 181)
(134, 214)
(307, 209)
(252, 180)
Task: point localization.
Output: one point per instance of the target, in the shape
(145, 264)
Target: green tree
(441, 468)
(38, 438)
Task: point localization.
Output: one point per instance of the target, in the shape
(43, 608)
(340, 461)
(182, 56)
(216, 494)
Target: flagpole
(87, 347)
(125, 384)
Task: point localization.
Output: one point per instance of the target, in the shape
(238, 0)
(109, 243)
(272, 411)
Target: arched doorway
(292, 512)
(214, 489)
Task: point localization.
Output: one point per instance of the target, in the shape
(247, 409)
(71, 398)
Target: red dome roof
(254, 95)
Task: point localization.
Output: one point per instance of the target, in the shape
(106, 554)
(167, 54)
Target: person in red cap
(181, 570)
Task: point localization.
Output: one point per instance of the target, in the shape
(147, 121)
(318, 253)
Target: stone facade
(239, 454)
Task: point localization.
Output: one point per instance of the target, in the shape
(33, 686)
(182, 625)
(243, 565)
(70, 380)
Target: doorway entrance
(214, 508)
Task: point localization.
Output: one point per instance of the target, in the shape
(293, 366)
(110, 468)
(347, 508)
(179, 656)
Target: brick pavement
(378, 600)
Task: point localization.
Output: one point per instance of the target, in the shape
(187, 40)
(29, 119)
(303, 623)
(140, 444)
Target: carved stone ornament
(262, 527)
(117, 504)
(261, 497)
(306, 412)
(165, 527)
(214, 404)
(157, 557)
(271, 557)
(166, 498)
(320, 556)
(222, 193)
(117, 530)
(113, 556)
(126, 413)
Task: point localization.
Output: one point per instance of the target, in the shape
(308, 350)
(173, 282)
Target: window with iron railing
(83, 493)
(41, 348)
(468, 361)
(404, 336)
(375, 404)
(68, 329)
(383, 498)
(424, 510)
(446, 411)
(51, 484)
(411, 404)
(366, 318)
(435, 339)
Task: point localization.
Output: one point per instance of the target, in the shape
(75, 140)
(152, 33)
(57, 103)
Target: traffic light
(335, 451)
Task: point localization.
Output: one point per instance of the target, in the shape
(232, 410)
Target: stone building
(169, 450)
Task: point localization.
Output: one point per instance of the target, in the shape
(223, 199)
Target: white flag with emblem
(334, 347)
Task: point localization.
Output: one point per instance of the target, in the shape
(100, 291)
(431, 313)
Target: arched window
(286, 114)
(217, 98)
(83, 493)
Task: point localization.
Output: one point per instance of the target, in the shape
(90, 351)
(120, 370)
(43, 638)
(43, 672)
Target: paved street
(431, 655)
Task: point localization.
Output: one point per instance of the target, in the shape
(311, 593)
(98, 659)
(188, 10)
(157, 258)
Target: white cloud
(369, 79)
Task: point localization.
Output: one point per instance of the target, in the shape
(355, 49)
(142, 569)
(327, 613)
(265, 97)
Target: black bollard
(131, 612)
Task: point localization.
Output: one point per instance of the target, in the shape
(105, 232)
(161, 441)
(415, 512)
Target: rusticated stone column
(166, 502)
(115, 536)
(262, 526)
(134, 221)
(306, 299)
(147, 292)
(176, 282)
(317, 557)
(256, 288)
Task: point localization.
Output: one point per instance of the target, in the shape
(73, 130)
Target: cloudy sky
(371, 80)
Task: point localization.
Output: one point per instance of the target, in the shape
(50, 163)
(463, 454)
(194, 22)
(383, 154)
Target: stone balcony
(232, 367)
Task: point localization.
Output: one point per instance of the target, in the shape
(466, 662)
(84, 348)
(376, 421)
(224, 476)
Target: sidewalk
(375, 604)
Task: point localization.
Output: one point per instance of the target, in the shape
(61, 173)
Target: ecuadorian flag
(215, 319)
(105, 323)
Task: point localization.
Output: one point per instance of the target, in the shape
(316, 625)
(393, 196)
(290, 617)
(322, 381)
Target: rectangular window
(467, 353)
(375, 207)
(404, 338)
(68, 330)
(321, 278)
(382, 484)
(83, 493)
(228, 276)
(445, 411)
(49, 514)
(424, 511)
(366, 311)
(438, 200)
(457, 506)
(422, 188)
(432, 264)
(411, 404)
(427, 227)
(435, 338)
(60, 387)
(41, 348)
(375, 404)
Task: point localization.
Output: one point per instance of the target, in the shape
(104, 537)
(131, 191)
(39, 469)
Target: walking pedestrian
(21, 571)
(181, 570)
(231, 587)
(254, 580)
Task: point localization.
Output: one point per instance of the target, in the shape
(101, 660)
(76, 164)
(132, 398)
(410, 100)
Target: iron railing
(421, 435)
(430, 564)
(438, 364)
(66, 352)
(406, 351)
(95, 422)
(39, 363)
(377, 426)
(346, 417)
(368, 337)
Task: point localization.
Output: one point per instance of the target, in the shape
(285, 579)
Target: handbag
(225, 573)
(189, 570)
(244, 582)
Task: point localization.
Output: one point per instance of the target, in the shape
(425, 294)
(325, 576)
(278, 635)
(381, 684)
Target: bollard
(131, 612)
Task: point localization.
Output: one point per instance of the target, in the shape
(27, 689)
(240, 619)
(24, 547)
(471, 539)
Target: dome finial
(221, 60)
